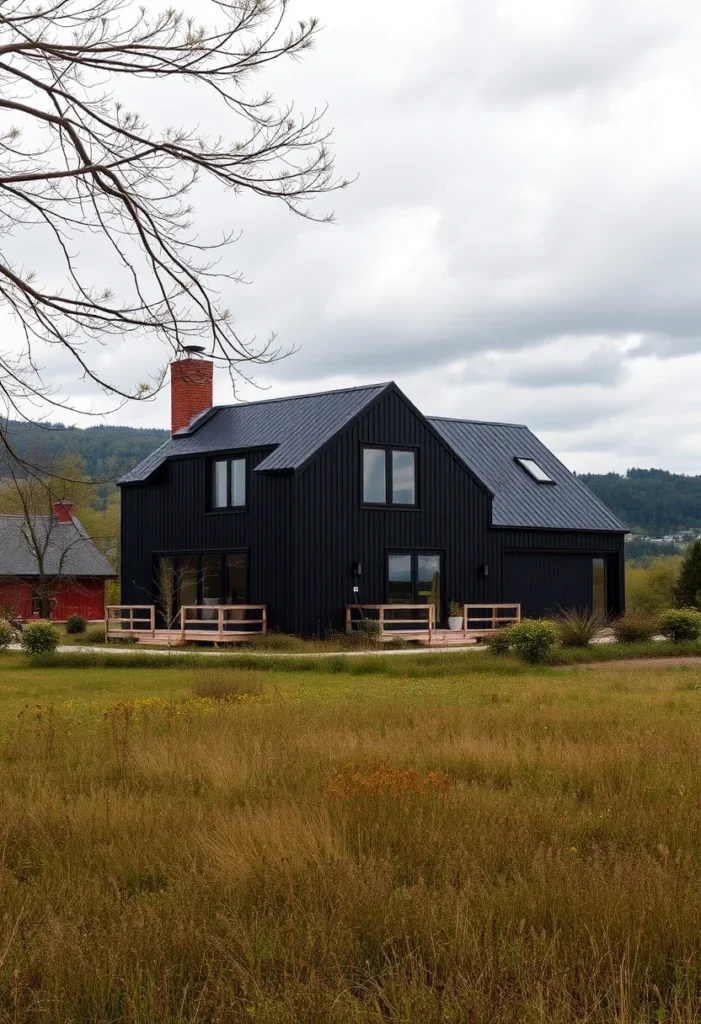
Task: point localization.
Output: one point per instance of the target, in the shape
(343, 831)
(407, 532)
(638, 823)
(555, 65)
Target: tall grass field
(419, 839)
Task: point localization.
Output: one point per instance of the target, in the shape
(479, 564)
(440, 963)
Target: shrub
(635, 628)
(681, 624)
(40, 637)
(500, 642)
(228, 683)
(688, 586)
(533, 639)
(7, 634)
(578, 626)
(96, 635)
(371, 627)
(454, 609)
(75, 624)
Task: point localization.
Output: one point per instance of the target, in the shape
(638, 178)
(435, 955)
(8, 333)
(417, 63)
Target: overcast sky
(523, 242)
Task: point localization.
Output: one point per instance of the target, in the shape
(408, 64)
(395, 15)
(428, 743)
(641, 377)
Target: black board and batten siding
(305, 529)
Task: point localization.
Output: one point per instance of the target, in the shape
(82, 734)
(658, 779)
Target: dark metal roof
(295, 427)
(490, 451)
(67, 549)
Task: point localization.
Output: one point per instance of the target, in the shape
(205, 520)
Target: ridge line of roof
(484, 423)
(310, 394)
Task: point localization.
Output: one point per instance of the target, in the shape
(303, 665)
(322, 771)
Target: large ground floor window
(205, 579)
(415, 577)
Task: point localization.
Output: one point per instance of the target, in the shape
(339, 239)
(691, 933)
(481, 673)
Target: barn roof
(67, 549)
(295, 427)
(490, 450)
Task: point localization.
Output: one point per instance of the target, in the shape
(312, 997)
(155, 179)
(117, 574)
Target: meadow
(410, 839)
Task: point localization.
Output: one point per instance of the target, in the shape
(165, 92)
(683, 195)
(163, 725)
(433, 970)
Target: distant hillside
(650, 500)
(107, 451)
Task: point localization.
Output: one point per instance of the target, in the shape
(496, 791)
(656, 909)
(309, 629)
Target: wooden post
(264, 624)
(220, 622)
(153, 620)
(348, 619)
(182, 624)
(382, 621)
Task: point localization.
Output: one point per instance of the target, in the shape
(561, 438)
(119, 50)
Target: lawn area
(420, 839)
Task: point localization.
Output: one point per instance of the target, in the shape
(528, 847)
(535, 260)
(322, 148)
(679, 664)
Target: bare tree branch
(76, 165)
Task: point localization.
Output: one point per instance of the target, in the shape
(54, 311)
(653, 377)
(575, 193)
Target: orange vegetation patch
(379, 777)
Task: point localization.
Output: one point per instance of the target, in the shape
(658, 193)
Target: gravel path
(179, 652)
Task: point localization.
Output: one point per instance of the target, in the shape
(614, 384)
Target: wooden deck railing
(140, 618)
(218, 620)
(209, 622)
(425, 622)
(496, 616)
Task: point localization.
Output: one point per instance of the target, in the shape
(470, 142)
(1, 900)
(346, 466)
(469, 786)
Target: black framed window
(205, 580)
(228, 483)
(389, 476)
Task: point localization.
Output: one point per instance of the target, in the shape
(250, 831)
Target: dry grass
(351, 850)
(228, 683)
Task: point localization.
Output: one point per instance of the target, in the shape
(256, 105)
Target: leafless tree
(90, 176)
(50, 551)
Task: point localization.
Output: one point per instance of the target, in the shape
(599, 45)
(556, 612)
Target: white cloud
(524, 238)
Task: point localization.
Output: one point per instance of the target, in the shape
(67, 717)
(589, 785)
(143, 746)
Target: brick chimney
(191, 390)
(63, 510)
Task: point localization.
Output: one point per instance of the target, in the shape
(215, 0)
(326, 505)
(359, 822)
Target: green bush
(371, 627)
(96, 635)
(578, 626)
(533, 639)
(681, 624)
(688, 586)
(40, 637)
(635, 628)
(7, 634)
(75, 624)
(500, 642)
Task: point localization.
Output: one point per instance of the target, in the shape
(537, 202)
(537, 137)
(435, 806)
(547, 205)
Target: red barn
(77, 571)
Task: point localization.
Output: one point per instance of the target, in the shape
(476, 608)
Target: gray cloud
(523, 241)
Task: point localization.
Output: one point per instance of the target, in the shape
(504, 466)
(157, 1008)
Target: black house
(295, 502)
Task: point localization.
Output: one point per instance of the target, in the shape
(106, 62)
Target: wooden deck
(212, 624)
(479, 621)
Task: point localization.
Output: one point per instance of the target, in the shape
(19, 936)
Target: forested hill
(106, 451)
(651, 500)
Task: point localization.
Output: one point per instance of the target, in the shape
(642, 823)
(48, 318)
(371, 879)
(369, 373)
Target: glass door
(428, 582)
(599, 586)
(415, 577)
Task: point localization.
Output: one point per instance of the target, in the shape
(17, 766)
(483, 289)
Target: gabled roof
(491, 450)
(295, 427)
(67, 549)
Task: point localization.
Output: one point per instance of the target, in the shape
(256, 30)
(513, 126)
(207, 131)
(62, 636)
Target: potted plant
(455, 613)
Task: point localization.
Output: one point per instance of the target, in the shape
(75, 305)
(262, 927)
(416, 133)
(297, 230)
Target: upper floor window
(229, 483)
(389, 476)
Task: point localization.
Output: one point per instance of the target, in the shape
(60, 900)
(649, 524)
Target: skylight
(534, 470)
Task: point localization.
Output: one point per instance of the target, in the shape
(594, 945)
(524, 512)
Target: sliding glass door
(207, 580)
(415, 577)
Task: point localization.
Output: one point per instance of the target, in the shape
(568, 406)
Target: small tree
(687, 592)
